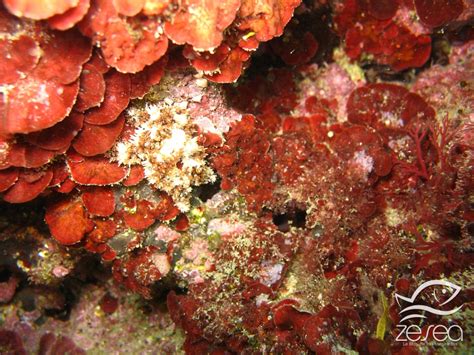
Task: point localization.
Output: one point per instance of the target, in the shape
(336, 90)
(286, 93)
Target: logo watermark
(413, 310)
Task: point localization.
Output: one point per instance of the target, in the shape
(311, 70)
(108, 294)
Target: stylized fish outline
(416, 307)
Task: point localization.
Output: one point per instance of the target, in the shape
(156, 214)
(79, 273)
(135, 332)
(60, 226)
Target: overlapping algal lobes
(98, 98)
(62, 97)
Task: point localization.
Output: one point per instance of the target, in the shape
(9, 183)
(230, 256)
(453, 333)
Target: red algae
(247, 176)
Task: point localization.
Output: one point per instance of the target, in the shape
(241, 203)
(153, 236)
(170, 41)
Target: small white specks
(261, 298)
(196, 98)
(270, 273)
(363, 163)
(181, 118)
(201, 83)
(183, 105)
(42, 96)
(391, 120)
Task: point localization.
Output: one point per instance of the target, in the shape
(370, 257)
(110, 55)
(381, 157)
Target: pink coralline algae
(243, 176)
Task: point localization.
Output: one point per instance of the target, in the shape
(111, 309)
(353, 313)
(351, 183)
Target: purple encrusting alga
(237, 177)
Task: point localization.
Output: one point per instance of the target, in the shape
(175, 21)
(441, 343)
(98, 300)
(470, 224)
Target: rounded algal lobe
(29, 185)
(128, 7)
(60, 135)
(380, 32)
(137, 174)
(46, 78)
(383, 9)
(99, 201)
(141, 216)
(116, 99)
(54, 344)
(201, 23)
(18, 57)
(64, 53)
(11, 343)
(71, 17)
(296, 51)
(387, 106)
(48, 103)
(435, 13)
(95, 139)
(92, 89)
(127, 51)
(68, 221)
(96, 171)
(8, 177)
(267, 18)
(39, 9)
(26, 155)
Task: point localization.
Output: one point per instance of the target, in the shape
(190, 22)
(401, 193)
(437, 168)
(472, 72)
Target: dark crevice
(206, 191)
(292, 218)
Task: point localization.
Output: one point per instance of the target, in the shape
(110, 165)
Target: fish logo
(422, 308)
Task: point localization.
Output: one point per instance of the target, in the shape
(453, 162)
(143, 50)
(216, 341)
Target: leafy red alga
(66, 186)
(128, 7)
(201, 23)
(207, 61)
(182, 223)
(231, 68)
(116, 99)
(42, 90)
(60, 173)
(387, 106)
(92, 89)
(360, 138)
(435, 13)
(140, 216)
(39, 9)
(267, 18)
(94, 139)
(7, 178)
(18, 56)
(244, 162)
(98, 62)
(103, 231)
(166, 209)
(370, 32)
(142, 269)
(67, 220)
(96, 171)
(286, 316)
(136, 175)
(389, 43)
(60, 135)
(22, 154)
(142, 82)
(131, 53)
(127, 43)
(63, 54)
(383, 9)
(99, 201)
(28, 186)
(33, 105)
(69, 18)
